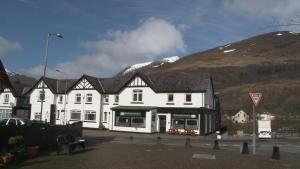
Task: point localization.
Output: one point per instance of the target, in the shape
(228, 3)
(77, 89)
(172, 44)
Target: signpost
(256, 98)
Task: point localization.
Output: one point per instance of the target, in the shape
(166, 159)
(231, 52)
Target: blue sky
(103, 37)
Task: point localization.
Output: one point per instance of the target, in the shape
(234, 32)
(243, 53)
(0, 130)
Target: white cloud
(278, 11)
(7, 46)
(152, 38)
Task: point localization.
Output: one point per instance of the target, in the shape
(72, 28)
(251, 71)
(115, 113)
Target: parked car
(12, 122)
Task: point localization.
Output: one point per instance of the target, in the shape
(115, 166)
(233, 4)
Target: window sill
(77, 103)
(73, 120)
(116, 103)
(106, 103)
(5, 103)
(89, 121)
(188, 103)
(137, 102)
(88, 103)
(169, 103)
(59, 103)
(41, 101)
(104, 122)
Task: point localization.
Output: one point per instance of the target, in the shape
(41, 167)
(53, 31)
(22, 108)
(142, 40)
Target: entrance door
(162, 124)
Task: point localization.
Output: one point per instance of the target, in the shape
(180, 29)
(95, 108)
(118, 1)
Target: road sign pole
(254, 131)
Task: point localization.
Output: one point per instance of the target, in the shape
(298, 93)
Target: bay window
(90, 115)
(75, 115)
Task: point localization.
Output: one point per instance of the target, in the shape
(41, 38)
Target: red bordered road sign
(256, 98)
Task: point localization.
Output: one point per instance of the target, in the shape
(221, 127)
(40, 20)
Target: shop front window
(178, 124)
(191, 124)
(131, 119)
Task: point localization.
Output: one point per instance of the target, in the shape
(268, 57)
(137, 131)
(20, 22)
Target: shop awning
(145, 108)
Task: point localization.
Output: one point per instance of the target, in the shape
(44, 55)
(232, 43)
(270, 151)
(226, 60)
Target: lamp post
(45, 68)
(66, 86)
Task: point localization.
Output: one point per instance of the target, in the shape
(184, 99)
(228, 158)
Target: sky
(102, 37)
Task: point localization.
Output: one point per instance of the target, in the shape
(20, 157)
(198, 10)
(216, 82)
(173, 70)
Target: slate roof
(172, 82)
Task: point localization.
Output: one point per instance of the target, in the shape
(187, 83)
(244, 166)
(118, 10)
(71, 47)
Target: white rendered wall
(150, 98)
(95, 106)
(6, 109)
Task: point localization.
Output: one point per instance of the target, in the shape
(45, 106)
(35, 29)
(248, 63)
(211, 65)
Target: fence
(41, 135)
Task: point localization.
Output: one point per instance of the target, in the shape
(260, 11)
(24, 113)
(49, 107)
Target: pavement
(115, 150)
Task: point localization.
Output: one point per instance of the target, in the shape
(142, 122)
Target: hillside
(268, 63)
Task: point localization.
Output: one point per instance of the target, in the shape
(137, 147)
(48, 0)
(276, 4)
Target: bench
(68, 143)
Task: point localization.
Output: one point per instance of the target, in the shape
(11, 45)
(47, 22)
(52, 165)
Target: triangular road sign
(256, 97)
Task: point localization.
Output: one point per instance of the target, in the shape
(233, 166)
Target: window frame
(137, 95)
(75, 111)
(117, 99)
(57, 115)
(168, 99)
(6, 99)
(78, 95)
(89, 95)
(42, 93)
(106, 99)
(60, 99)
(90, 112)
(186, 97)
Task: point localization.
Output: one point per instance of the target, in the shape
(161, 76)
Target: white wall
(150, 98)
(209, 97)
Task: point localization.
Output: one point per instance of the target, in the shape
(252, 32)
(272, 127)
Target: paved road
(289, 147)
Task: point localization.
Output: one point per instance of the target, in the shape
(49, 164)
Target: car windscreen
(3, 122)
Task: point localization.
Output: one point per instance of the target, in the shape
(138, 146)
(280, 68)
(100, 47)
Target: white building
(7, 102)
(51, 101)
(133, 102)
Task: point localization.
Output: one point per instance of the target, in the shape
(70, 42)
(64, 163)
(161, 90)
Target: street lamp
(66, 86)
(45, 68)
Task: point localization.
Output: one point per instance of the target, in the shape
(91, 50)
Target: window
(57, 114)
(106, 99)
(89, 98)
(60, 99)
(191, 124)
(90, 115)
(78, 98)
(188, 97)
(42, 95)
(6, 98)
(116, 98)
(137, 96)
(138, 122)
(105, 117)
(37, 116)
(75, 115)
(131, 119)
(170, 97)
(178, 123)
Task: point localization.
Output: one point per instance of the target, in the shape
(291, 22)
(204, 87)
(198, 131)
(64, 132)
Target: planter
(32, 151)
(5, 159)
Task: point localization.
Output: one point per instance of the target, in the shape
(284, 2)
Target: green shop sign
(184, 116)
(134, 114)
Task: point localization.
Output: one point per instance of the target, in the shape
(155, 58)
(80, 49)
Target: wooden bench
(68, 143)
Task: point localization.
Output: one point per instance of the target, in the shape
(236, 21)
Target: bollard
(188, 142)
(216, 145)
(276, 154)
(130, 139)
(245, 148)
(158, 140)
